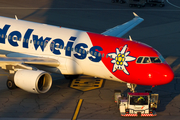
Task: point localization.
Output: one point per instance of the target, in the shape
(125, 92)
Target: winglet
(135, 14)
(16, 17)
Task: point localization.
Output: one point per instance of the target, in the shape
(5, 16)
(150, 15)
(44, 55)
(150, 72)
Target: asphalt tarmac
(160, 29)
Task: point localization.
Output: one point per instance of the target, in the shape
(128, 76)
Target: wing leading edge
(120, 30)
(36, 61)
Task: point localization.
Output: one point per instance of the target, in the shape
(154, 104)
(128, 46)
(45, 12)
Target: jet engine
(34, 81)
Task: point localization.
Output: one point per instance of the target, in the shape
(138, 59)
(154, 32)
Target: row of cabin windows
(139, 60)
(24, 40)
(57, 46)
(144, 60)
(81, 51)
(14, 38)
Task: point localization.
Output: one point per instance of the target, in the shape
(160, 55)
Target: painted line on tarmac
(172, 4)
(77, 109)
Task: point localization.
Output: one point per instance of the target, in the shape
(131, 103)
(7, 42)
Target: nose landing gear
(131, 87)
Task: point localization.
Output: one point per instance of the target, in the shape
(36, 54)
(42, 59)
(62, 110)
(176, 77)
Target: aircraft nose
(163, 74)
(167, 74)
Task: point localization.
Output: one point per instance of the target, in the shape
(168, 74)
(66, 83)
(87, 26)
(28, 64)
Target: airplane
(34, 50)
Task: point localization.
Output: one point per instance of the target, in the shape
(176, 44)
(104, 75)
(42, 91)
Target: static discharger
(86, 84)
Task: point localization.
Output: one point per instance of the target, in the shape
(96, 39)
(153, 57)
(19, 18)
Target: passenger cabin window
(91, 52)
(68, 49)
(95, 53)
(57, 45)
(83, 51)
(61, 46)
(103, 55)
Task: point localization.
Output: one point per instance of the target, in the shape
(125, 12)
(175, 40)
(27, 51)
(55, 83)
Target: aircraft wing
(120, 30)
(36, 61)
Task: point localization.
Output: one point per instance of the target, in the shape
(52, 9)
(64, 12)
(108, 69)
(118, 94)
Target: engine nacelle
(34, 81)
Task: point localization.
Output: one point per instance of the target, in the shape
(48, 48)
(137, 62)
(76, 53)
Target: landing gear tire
(10, 84)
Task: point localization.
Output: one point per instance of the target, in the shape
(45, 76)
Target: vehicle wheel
(10, 84)
(139, 114)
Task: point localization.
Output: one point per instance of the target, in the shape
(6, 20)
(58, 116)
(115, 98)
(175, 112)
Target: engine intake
(34, 81)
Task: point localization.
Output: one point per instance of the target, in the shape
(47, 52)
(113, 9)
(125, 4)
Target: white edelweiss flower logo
(120, 59)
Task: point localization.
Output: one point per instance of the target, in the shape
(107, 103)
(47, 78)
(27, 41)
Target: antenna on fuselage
(130, 38)
(135, 14)
(16, 17)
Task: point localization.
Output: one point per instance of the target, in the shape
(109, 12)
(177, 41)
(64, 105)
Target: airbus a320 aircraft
(33, 50)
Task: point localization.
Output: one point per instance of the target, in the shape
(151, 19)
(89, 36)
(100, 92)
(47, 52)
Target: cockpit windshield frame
(147, 60)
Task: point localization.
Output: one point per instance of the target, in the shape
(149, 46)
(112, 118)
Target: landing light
(149, 75)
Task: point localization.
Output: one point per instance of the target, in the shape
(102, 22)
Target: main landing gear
(10, 84)
(131, 87)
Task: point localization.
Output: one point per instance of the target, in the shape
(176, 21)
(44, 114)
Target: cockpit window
(155, 60)
(139, 59)
(146, 60)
